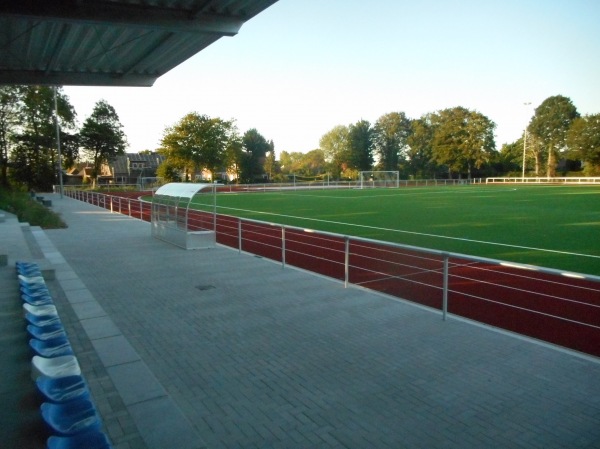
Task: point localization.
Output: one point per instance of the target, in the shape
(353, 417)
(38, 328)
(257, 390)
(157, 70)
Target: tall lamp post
(524, 146)
(60, 177)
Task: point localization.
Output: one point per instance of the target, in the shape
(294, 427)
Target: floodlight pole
(60, 178)
(524, 152)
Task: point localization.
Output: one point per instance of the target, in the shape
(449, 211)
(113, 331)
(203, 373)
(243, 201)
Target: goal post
(383, 179)
(149, 183)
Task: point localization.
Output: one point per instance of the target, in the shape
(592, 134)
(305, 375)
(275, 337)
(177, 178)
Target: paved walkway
(216, 349)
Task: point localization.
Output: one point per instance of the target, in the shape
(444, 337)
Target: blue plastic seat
(71, 418)
(61, 366)
(33, 286)
(46, 332)
(27, 267)
(42, 320)
(62, 389)
(54, 347)
(29, 272)
(44, 300)
(87, 440)
(39, 310)
(21, 263)
(32, 283)
(31, 280)
(41, 291)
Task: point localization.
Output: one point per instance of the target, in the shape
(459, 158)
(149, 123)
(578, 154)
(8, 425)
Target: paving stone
(115, 350)
(135, 382)
(88, 309)
(100, 327)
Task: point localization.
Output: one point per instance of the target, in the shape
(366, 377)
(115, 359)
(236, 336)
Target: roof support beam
(76, 79)
(58, 47)
(131, 16)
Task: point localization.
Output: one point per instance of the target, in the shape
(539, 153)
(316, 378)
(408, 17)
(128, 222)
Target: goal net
(149, 183)
(372, 179)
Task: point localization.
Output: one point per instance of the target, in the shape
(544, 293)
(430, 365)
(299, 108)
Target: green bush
(28, 210)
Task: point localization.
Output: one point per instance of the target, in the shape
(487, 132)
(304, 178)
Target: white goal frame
(379, 179)
(150, 182)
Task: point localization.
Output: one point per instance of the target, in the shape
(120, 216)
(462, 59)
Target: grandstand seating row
(67, 407)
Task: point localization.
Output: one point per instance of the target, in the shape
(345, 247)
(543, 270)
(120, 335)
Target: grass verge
(28, 210)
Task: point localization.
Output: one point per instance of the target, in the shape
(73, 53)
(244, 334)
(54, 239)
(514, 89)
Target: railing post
(445, 288)
(111, 204)
(282, 246)
(346, 261)
(240, 235)
(129, 206)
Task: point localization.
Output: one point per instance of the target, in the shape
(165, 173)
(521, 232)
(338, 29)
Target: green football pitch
(549, 226)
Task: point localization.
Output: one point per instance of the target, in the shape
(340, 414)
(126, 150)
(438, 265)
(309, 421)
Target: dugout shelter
(185, 214)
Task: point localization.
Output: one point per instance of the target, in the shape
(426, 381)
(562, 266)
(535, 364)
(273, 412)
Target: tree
(389, 139)
(583, 140)
(335, 148)
(420, 148)
(168, 172)
(9, 96)
(233, 158)
(102, 137)
(463, 139)
(270, 165)
(291, 163)
(35, 154)
(511, 156)
(535, 150)
(199, 142)
(550, 124)
(255, 148)
(360, 145)
(480, 147)
(313, 163)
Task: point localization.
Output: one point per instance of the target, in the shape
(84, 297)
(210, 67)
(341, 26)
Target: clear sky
(302, 67)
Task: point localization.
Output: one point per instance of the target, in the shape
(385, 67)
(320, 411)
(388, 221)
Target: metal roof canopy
(174, 220)
(111, 42)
